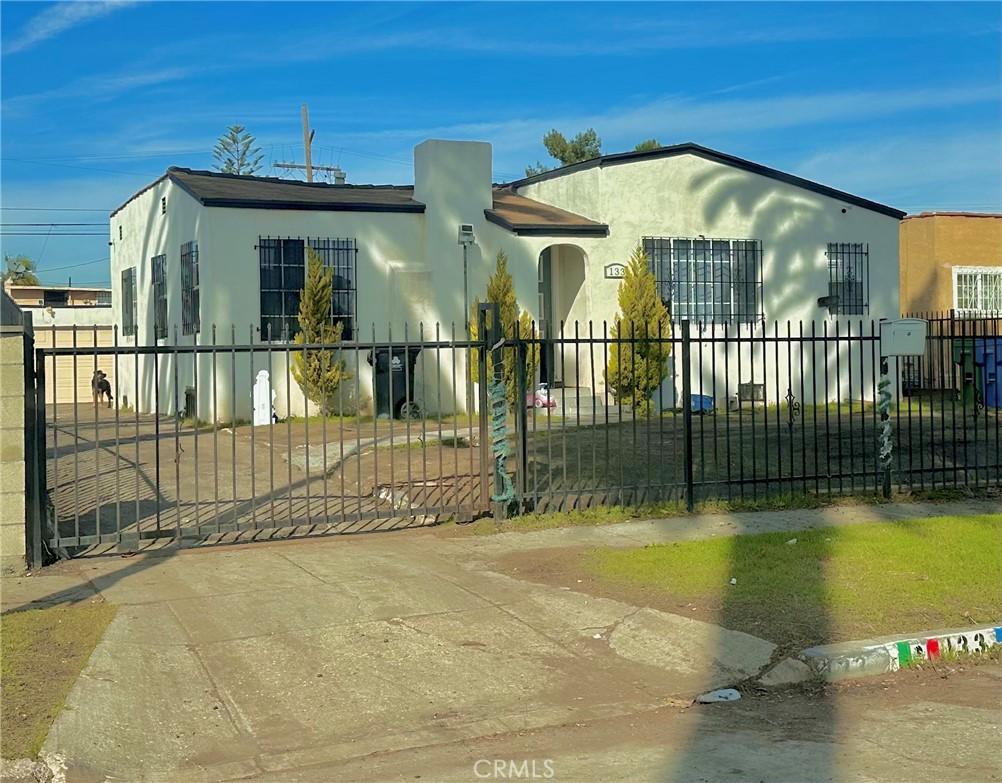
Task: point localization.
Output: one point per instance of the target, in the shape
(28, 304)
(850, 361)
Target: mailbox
(903, 337)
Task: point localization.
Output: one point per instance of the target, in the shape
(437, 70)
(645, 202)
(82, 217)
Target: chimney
(454, 176)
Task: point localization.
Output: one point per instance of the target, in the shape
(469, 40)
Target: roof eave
(690, 148)
(547, 230)
(310, 206)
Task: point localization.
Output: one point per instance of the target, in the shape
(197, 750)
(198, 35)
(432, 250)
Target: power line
(72, 266)
(53, 209)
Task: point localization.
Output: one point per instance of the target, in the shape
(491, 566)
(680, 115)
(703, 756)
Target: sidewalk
(293, 660)
(699, 526)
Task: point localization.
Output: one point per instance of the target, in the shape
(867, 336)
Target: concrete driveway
(402, 656)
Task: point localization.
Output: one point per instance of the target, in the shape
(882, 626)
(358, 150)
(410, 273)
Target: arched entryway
(562, 300)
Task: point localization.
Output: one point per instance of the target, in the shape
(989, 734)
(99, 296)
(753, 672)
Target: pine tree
(501, 291)
(647, 145)
(235, 152)
(584, 146)
(318, 372)
(639, 364)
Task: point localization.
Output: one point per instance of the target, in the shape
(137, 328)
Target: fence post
(483, 420)
(687, 413)
(34, 444)
(521, 418)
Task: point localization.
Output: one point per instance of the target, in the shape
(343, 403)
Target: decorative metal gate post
(884, 406)
(496, 410)
(690, 502)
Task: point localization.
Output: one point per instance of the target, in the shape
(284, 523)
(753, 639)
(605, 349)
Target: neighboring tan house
(731, 242)
(951, 261)
(65, 316)
(58, 295)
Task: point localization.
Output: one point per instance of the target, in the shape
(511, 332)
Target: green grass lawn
(611, 515)
(833, 584)
(42, 652)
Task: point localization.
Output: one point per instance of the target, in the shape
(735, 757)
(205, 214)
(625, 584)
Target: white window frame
(980, 272)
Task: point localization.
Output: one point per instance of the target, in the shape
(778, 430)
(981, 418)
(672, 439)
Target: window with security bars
(129, 302)
(159, 264)
(190, 312)
(708, 280)
(848, 277)
(283, 274)
(977, 289)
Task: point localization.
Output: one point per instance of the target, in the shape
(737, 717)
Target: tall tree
(19, 270)
(501, 291)
(648, 145)
(319, 372)
(585, 146)
(236, 152)
(639, 363)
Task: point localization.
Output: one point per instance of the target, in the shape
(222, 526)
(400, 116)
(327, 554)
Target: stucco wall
(689, 196)
(410, 265)
(146, 232)
(931, 245)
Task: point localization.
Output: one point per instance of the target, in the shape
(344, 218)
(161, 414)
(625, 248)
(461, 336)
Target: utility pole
(309, 168)
(308, 143)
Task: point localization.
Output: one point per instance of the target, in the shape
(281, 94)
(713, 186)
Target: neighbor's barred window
(159, 264)
(977, 289)
(848, 277)
(190, 320)
(708, 280)
(129, 302)
(283, 274)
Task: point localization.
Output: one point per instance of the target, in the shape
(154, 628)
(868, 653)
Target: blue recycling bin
(988, 356)
(701, 403)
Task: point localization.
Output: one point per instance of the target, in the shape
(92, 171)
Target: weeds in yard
(44, 651)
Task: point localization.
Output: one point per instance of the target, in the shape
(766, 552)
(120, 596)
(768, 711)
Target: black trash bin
(393, 382)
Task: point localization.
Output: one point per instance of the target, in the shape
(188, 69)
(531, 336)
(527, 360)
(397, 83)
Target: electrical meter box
(903, 337)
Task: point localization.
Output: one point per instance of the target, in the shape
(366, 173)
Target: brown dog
(100, 387)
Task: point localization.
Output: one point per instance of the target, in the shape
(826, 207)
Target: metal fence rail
(215, 440)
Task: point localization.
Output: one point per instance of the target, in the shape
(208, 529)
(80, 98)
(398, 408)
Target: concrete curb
(867, 657)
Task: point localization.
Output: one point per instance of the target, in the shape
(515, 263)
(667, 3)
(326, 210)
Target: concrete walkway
(698, 526)
(397, 656)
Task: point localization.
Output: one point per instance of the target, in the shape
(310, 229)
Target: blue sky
(900, 102)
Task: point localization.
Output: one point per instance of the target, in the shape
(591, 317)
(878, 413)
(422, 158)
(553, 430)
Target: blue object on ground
(701, 403)
(988, 356)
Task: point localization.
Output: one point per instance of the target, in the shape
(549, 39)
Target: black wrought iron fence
(749, 410)
(216, 439)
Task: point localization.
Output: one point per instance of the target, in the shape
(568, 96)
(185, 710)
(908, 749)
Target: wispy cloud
(59, 18)
(958, 171)
(100, 87)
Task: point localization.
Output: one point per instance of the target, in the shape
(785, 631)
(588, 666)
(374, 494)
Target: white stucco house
(730, 241)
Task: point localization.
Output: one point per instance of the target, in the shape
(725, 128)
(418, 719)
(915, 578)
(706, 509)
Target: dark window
(848, 277)
(129, 302)
(104, 298)
(55, 298)
(283, 275)
(708, 280)
(190, 320)
(159, 264)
